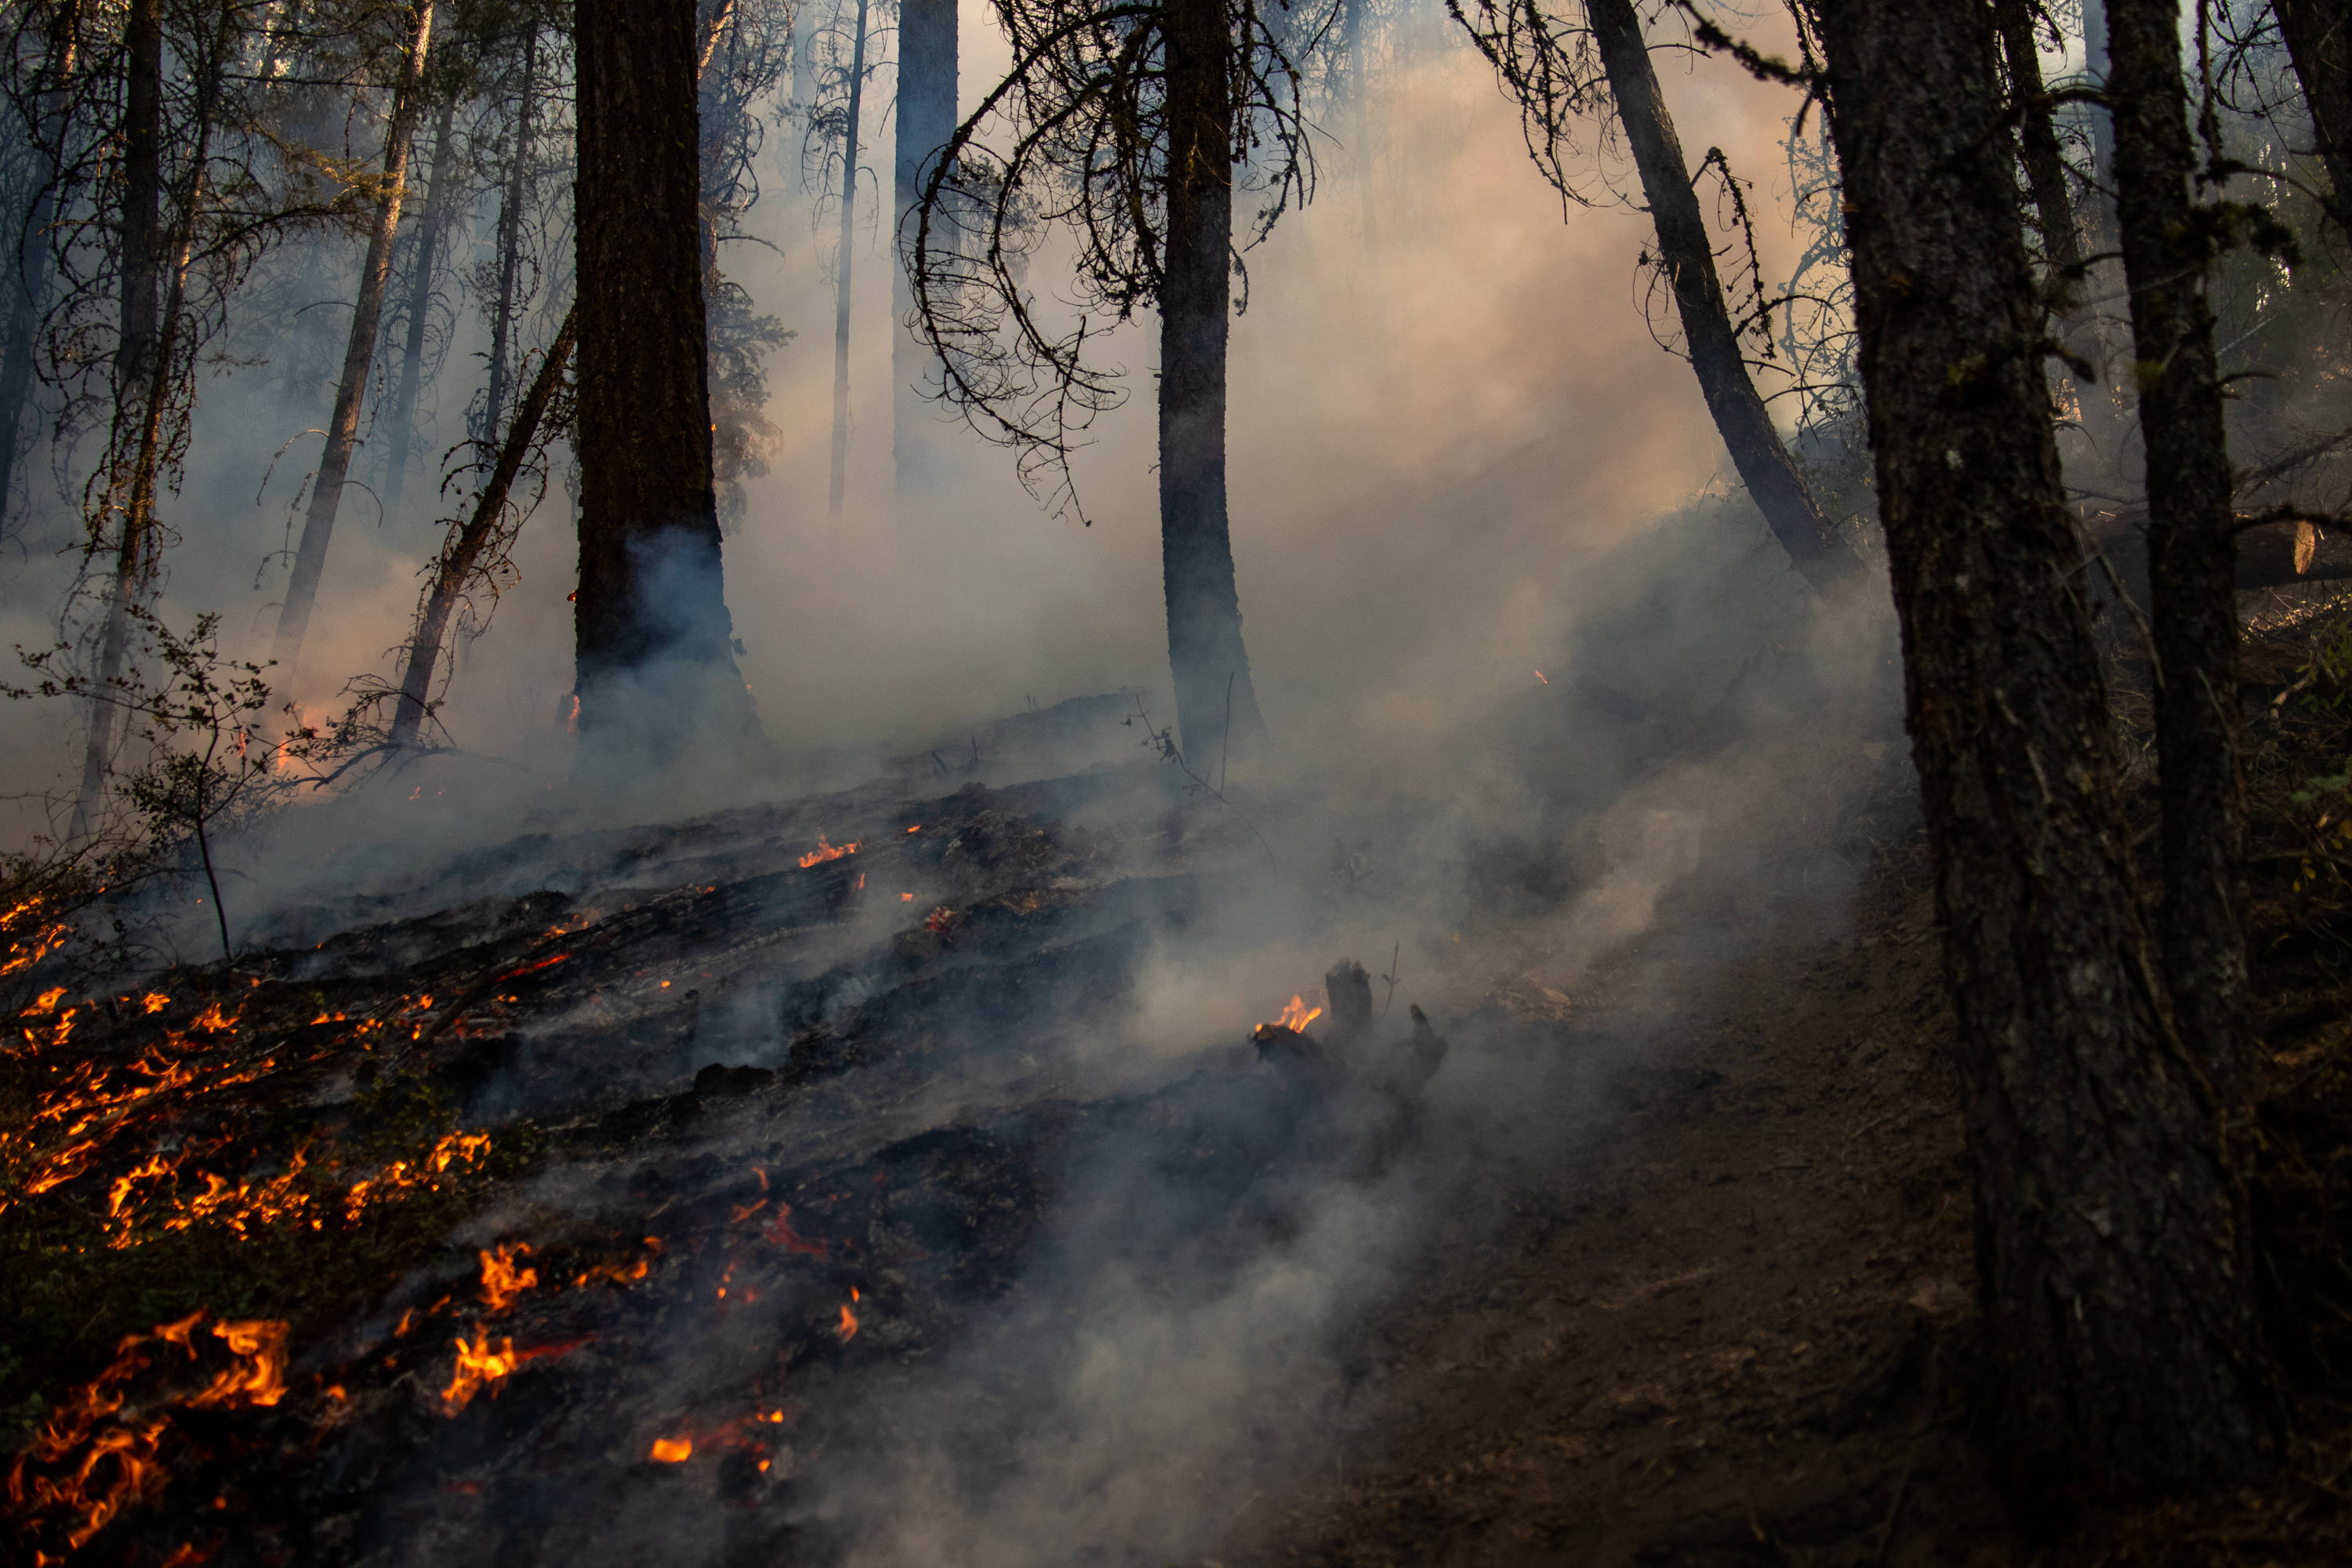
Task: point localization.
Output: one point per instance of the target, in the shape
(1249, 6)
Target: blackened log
(1350, 991)
(2111, 1261)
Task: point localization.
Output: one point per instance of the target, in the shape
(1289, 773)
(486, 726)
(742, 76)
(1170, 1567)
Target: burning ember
(501, 1280)
(1296, 1015)
(100, 1450)
(479, 1367)
(847, 1328)
(825, 852)
(672, 1451)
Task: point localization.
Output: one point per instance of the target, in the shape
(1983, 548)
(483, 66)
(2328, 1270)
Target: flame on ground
(672, 1451)
(847, 1328)
(479, 1367)
(1296, 1015)
(100, 1450)
(501, 1280)
(825, 852)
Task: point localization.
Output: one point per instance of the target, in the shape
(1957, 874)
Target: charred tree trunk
(510, 210)
(2192, 551)
(2319, 41)
(840, 480)
(367, 314)
(656, 675)
(438, 207)
(35, 259)
(2111, 1262)
(462, 556)
(1216, 705)
(927, 122)
(1687, 250)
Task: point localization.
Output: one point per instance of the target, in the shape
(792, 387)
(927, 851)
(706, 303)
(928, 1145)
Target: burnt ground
(876, 1228)
(1728, 1329)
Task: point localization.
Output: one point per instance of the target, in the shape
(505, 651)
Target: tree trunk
(2111, 1262)
(1216, 705)
(2037, 139)
(137, 408)
(2100, 215)
(840, 266)
(343, 427)
(1687, 249)
(36, 256)
(2319, 41)
(2192, 552)
(518, 193)
(463, 554)
(654, 673)
(132, 486)
(927, 122)
(1359, 115)
(438, 207)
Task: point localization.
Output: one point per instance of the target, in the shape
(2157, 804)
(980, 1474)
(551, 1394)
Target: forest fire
(1296, 1015)
(101, 1450)
(502, 1281)
(479, 1366)
(825, 852)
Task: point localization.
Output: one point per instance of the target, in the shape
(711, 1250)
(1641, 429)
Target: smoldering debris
(734, 1189)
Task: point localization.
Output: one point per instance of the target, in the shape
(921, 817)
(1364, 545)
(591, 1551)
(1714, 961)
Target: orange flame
(847, 1328)
(672, 1451)
(92, 1461)
(823, 852)
(501, 1280)
(1297, 1016)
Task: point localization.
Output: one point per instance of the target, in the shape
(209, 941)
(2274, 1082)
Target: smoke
(1536, 680)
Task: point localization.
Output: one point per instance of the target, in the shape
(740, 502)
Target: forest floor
(1739, 1325)
(1718, 1307)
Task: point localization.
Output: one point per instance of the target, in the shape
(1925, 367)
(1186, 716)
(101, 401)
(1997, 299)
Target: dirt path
(1724, 1330)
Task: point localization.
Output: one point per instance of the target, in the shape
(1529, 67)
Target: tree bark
(1687, 249)
(518, 193)
(2319, 41)
(2192, 551)
(1217, 704)
(655, 676)
(438, 207)
(927, 122)
(463, 554)
(2037, 140)
(841, 270)
(367, 314)
(36, 258)
(2110, 1256)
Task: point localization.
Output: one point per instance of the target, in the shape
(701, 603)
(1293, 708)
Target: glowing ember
(825, 852)
(847, 1328)
(672, 1451)
(479, 1367)
(1296, 1015)
(782, 1233)
(501, 1280)
(99, 1451)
